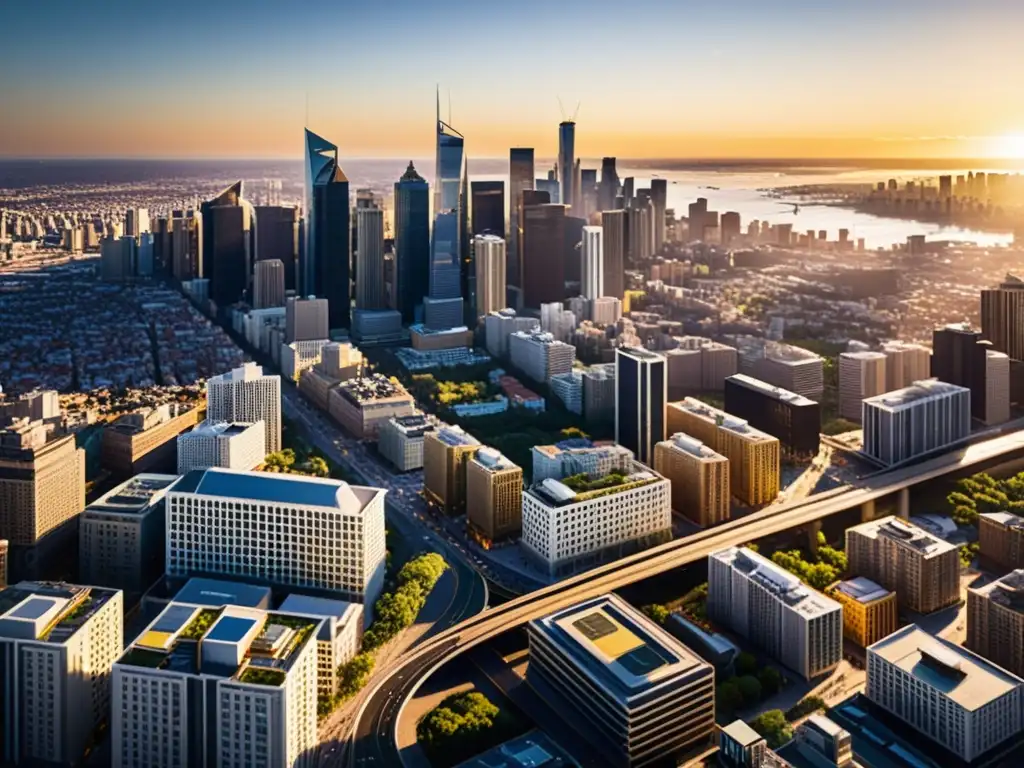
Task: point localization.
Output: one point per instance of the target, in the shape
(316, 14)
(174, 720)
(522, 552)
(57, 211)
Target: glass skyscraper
(412, 244)
(567, 160)
(326, 243)
(227, 222)
(641, 386)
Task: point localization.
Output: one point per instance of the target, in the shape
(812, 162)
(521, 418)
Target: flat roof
(133, 496)
(785, 586)
(450, 435)
(905, 534)
(316, 606)
(639, 353)
(1007, 591)
(1007, 519)
(904, 398)
(742, 733)
(861, 589)
(276, 488)
(692, 446)
(721, 419)
(769, 390)
(217, 592)
(963, 677)
(49, 611)
(230, 629)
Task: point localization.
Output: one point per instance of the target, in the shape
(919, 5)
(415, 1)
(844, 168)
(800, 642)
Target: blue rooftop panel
(261, 486)
(218, 592)
(172, 619)
(32, 608)
(230, 629)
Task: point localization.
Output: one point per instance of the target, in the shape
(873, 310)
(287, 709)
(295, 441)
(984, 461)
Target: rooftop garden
(202, 622)
(261, 676)
(143, 657)
(614, 482)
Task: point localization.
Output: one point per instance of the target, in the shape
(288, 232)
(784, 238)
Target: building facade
(412, 244)
(995, 621)
(327, 240)
(861, 375)
(400, 440)
(247, 395)
(1002, 316)
(699, 477)
(1001, 539)
(905, 363)
(370, 290)
(489, 256)
(145, 440)
(869, 610)
(494, 496)
(362, 405)
(794, 419)
(641, 392)
(909, 422)
(219, 444)
(540, 355)
(446, 452)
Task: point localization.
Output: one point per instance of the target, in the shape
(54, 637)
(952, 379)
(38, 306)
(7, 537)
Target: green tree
(750, 690)
(771, 680)
(773, 726)
(318, 466)
(354, 673)
(728, 698)
(656, 613)
(805, 706)
(745, 663)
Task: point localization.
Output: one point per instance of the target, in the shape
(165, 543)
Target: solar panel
(595, 626)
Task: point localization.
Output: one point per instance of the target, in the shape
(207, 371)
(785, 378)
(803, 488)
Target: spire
(411, 174)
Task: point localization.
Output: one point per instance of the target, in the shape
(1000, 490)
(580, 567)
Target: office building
(641, 390)
(910, 422)
(227, 222)
(499, 325)
(946, 693)
(217, 686)
(959, 358)
(325, 262)
(568, 387)
(639, 238)
(246, 395)
(361, 405)
(615, 228)
(605, 311)
(269, 284)
(567, 160)
(489, 258)
(608, 189)
(278, 232)
(220, 444)
(566, 460)
(646, 698)
(539, 355)
(1002, 316)
(136, 221)
(1001, 539)
(995, 621)
(905, 363)
(861, 375)
(144, 441)
(997, 388)
(574, 523)
(338, 363)
(543, 264)
(699, 364)
(869, 610)
(187, 246)
(592, 263)
(338, 639)
(306, 319)
(782, 365)
(659, 199)
(494, 495)
(769, 606)
(922, 569)
(599, 392)
(730, 227)
(297, 531)
(370, 290)
(400, 440)
(412, 244)
(118, 259)
(699, 477)
(449, 277)
(42, 481)
(793, 418)
(446, 452)
(488, 208)
(521, 172)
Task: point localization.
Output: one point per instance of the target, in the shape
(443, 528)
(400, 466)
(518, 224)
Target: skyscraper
(488, 208)
(489, 259)
(443, 306)
(958, 357)
(641, 387)
(573, 244)
(609, 188)
(227, 244)
(520, 178)
(268, 284)
(1002, 316)
(615, 226)
(588, 192)
(326, 263)
(566, 159)
(306, 319)
(187, 246)
(370, 259)
(412, 242)
(592, 263)
(247, 395)
(543, 254)
(277, 237)
(659, 197)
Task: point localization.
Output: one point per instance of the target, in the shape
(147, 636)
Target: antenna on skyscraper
(577, 111)
(561, 108)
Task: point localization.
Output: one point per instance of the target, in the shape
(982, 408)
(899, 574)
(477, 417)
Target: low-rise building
(336, 642)
(494, 496)
(400, 440)
(446, 451)
(869, 610)
(564, 460)
(144, 441)
(224, 445)
(299, 356)
(699, 477)
(824, 743)
(361, 405)
(1001, 539)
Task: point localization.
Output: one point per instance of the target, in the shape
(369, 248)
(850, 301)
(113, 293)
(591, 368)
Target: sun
(1009, 147)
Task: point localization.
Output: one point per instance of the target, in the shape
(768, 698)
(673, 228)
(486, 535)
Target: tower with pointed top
(326, 246)
(227, 222)
(412, 244)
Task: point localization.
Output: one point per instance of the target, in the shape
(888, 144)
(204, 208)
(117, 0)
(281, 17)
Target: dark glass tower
(412, 244)
(488, 208)
(326, 253)
(609, 186)
(227, 244)
(520, 179)
(641, 384)
(566, 159)
(543, 254)
(959, 357)
(277, 237)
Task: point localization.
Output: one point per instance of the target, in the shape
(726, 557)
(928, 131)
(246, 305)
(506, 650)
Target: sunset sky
(655, 78)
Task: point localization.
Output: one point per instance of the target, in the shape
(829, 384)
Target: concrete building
(1001, 539)
(948, 694)
(699, 477)
(606, 310)
(822, 742)
(336, 642)
(294, 531)
(219, 444)
(958, 357)
(997, 388)
(557, 320)
(869, 610)
(754, 457)
(362, 405)
(905, 363)
(145, 440)
(571, 526)
(599, 392)
(306, 319)
(568, 387)
(910, 422)
(641, 391)
(269, 284)
(446, 452)
(370, 291)
(1002, 316)
(793, 418)
(500, 325)
(700, 364)
(614, 225)
(922, 569)
(769, 606)
(400, 440)
(220, 686)
(246, 395)
(596, 461)
(57, 645)
(489, 259)
(592, 263)
(861, 375)
(782, 365)
(300, 356)
(539, 355)
(995, 621)
(646, 697)
(42, 481)
(494, 496)
(121, 535)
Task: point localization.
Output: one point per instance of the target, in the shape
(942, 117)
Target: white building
(997, 387)
(58, 643)
(592, 263)
(219, 444)
(771, 607)
(400, 440)
(370, 292)
(606, 310)
(557, 320)
(905, 363)
(782, 365)
(247, 395)
(498, 326)
(539, 355)
(861, 375)
(489, 258)
(338, 639)
(908, 422)
(288, 530)
(566, 529)
(550, 461)
(568, 387)
(300, 356)
(954, 697)
(227, 686)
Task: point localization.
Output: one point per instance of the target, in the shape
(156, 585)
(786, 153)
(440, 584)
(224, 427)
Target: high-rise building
(696, 212)
(995, 621)
(277, 237)
(58, 643)
(730, 227)
(446, 452)
(494, 495)
(370, 293)
(641, 391)
(520, 176)
(187, 246)
(294, 532)
(488, 208)
(118, 259)
(1002, 316)
(247, 395)
(572, 246)
(861, 375)
(269, 284)
(659, 199)
(136, 222)
(997, 388)
(121, 535)
(922, 569)
(588, 193)
(400, 440)
(567, 160)
(325, 262)
(592, 263)
(589, 655)
(909, 422)
(953, 697)
(639, 233)
(306, 319)
(220, 444)
(1001, 538)
(609, 187)
(905, 363)
(543, 253)
(540, 355)
(412, 243)
(615, 227)
(252, 673)
(489, 258)
(958, 357)
(869, 610)
(227, 222)
(793, 418)
(768, 605)
(699, 477)
(499, 327)
(449, 268)
(143, 441)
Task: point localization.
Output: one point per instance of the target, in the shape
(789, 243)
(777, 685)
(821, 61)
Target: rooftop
(905, 534)
(721, 419)
(277, 488)
(1007, 591)
(217, 428)
(779, 582)
(415, 425)
(202, 591)
(455, 436)
(1006, 519)
(579, 488)
(963, 677)
(919, 390)
(134, 496)
(370, 388)
(861, 589)
(247, 372)
(776, 393)
(639, 353)
(48, 612)
(742, 733)
(865, 355)
(692, 446)
(493, 461)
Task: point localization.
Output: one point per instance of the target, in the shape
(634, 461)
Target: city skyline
(226, 91)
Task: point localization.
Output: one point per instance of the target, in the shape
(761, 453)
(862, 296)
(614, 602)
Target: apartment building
(246, 395)
(699, 478)
(400, 440)
(446, 452)
(540, 355)
(494, 495)
(220, 444)
(869, 610)
(1001, 539)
